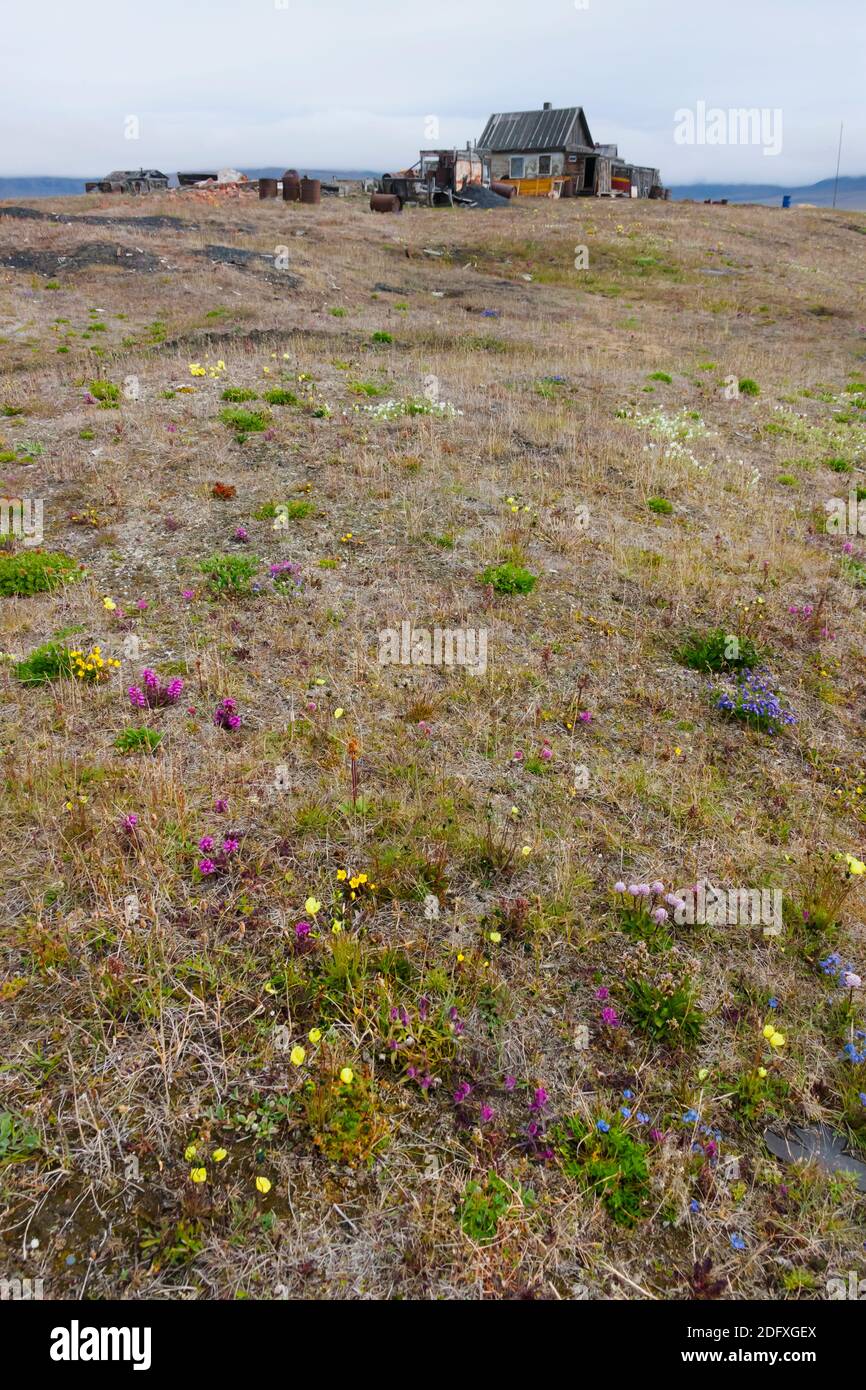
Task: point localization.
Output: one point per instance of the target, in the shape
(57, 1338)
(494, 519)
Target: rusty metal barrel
(291, 186)
(505, 190)
(267, 188)
(311, 190)
(384, 202)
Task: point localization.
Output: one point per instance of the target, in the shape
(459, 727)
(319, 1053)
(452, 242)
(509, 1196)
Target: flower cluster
(845, 975)
(153, 694)
(751, 697)
(215, 860)
(211, 369)
(91, 666)
(644, 908)
(225, 715)
(285, 575)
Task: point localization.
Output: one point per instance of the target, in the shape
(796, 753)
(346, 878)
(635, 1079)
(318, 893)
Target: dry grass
(127, 1039)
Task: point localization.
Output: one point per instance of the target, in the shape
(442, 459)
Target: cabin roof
(548, 129)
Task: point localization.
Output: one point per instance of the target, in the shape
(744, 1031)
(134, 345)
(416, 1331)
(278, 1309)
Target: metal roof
(565, 128)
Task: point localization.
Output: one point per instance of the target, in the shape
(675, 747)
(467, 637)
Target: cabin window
(544, 166)
(516, 167)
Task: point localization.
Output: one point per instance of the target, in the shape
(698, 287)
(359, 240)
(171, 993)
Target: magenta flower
(205, 843)
(221, 805)
(130, 822)
(230, 845)
(510, 1083)
(206, 866)
(302, 929)
(602, 993)
(486, 1113)
(610, 1017)
(585, 717)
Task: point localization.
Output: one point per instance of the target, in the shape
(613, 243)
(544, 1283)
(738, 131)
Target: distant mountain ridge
(851, 194)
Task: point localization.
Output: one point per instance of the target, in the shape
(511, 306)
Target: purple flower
(221, 805)
(539, 1099)
(130, 822)
(610, 1017)
(206, 843)
(660, 915)
(206, 866)
(230, 845)
(463, 1090)
(658, 888)
(619, 887)
(486, 1113)
(510, 1083)
(302, 929)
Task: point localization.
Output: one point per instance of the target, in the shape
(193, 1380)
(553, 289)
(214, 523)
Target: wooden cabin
(551, 153)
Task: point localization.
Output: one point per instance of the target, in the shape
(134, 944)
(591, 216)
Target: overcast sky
(353, 83)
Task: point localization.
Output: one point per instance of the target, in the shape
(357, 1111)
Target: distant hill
(47, 187)
(851, 194)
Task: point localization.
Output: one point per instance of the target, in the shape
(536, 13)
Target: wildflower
(602, 993)
(188, 594)
(206, 842)
(296, 1056)
(341, 875)
(336, 927)
(625, 1112)
(610, 1017)
(510, 1083)
(463, 1090)
(338, 713)
(619, 887)
(206, 866)
(660, 915)
(302, 929)
(694, 1205)
(315, 1035)
(851, 981)
(109, 605)
(312, 905)
(347, 1076)
(773, 1003)
(585, 717)
(190, 1152)
(219, 1154)
(691, 1117)
(642, 1117)
(777, 1040)
(130, 822)
(230, 845)
(198, 1174)
(539, 1100)
(769, 1030)
(762, 1072)
(224, 715)
(657, 888)
(737, 1242)
(220, 805)
(855, 866)
(526, 851)
(263, 1185)
(602, 1126)
(628, 1095)
(495, 937)
(703, 1073)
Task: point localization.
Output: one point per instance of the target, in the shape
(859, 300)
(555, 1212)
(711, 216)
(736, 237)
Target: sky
(352, 84)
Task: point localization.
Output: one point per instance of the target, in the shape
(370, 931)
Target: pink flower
(619, 886)
(221, 805)
(602, 993)
(486, 1113)
(188, 594)
(302, 929)
(660, 915)
(546, 753)
(585, 717)
(658, 888)
(230, 845)
(518, 756)
(851, 981)
(610, 1017)
(206, 866)
(130, 822)
(848, 548)
(206, 843)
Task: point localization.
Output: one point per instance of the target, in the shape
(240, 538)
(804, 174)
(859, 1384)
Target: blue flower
(774, 1003)
(602, 1126)
(737, 1242)
(642, 1117)
(694, 1204)
(628, 1095)
(691, 1117)
(625, 1112)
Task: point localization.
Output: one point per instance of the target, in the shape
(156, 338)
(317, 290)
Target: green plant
(748, 387)
(660, 505)
(717, 650)
(230, 574)
(345, 1121)
(36, 572)
(239, 394)
(142, 740)
(279, 396)
(665, 1009)
(607, 1162)
(106, 393)
(381, 337)
(245, 422)
(49, 662)
(661, 376)
(509, 579)
(485, 1203)
(17, 1140)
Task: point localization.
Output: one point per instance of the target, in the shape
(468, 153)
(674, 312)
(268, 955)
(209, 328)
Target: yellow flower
(678, 752)
(263, 1185)
(703, 1073)
(338, 713)
(341, 875)
(198, 1174)
(777, 1040)
(762, 1072)
(526, 851)
(347, 1076)
(855, 866)
(460, 956)
(296, 1056)
(354, 882)
(336, 927)
(312, 905)
(315, 1035)
(109, 604)
(362, 878)
(495, 937)
(515, 811)
(769, 1030)
(189, 1152)
(219, 1154)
